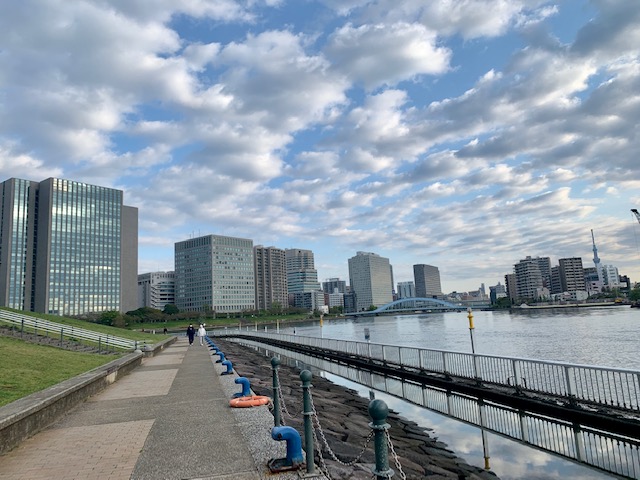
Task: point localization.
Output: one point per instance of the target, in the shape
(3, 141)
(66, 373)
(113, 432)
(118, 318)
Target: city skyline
(461, 134)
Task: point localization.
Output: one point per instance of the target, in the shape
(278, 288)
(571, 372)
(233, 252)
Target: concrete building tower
(406, 290)
(215, 273)
(427, 281)
(370, 280)
(332, 284)
(529, 282)
(302, 278)
(270, 267)
(67, 248)
(156, 289)
(572, 275)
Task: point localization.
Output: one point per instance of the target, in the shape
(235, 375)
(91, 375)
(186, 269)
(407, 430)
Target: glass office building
(73, 248)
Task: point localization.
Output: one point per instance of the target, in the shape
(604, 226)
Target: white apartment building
(156, 289)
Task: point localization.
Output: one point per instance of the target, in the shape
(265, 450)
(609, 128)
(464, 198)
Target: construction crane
(635, 212)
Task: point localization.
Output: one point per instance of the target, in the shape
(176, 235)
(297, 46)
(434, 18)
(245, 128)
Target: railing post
(571, 384)
(21, 327)
(305, 376)
(378, 411)
(99, 344)
(61, 334)
(275, 363)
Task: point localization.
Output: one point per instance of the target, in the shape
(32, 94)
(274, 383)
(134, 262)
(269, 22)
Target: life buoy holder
(252, 401)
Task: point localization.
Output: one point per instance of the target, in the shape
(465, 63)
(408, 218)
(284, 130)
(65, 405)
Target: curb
(27, 416)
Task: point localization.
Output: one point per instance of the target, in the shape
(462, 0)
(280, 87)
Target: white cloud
(376, 55)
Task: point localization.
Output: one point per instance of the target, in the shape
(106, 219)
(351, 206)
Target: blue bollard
(221, 359)
(229, 366)
(294, 458)
(246, 387)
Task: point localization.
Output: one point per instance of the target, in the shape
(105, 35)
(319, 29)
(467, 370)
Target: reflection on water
(482, 446)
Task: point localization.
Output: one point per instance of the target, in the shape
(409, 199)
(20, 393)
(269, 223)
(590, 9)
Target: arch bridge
(413, 304)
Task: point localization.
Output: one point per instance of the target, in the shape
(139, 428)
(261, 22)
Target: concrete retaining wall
(27, 416)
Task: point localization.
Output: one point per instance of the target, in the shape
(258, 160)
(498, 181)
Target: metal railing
(600, 386)
(596, 448)
(38, 326)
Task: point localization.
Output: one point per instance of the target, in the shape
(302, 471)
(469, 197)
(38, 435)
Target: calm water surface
(607, 336)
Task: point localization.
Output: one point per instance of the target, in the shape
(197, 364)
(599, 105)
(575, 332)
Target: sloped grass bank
(27, 368)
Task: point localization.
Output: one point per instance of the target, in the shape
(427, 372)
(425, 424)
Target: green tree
(634, 294)
(170, 309)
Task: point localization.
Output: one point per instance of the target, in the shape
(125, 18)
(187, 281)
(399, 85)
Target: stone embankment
(344, 419)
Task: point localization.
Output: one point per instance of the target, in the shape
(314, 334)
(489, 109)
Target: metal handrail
(614, 387)
(29, 323)
(596, 448)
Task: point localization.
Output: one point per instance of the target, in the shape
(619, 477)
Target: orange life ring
(252, 401)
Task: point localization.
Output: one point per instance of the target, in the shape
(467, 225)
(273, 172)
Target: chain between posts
(316, 426)
(332, 454)
(283, 405)
(403, 476)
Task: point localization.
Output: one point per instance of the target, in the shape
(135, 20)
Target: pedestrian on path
(191, 332)
(202, 333)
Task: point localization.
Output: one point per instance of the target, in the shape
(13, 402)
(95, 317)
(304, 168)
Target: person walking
(202, 333)
(191, 332)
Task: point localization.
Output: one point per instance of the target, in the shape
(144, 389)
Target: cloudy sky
(464, 134)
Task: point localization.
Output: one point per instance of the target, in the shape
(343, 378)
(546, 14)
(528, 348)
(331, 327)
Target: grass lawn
(26, 368)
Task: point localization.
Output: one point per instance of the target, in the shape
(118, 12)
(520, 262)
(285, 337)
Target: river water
(605, 336)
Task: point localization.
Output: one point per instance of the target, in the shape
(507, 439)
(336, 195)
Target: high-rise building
(511, 286)
(529, 283)
(370, 280)
(572, 274)
(406, 290)
(270, 277)
(156, 289)
(427, 281)
(67, 248)
(556, 283)
(497, 292)
(332, 285)
(302, 275)
(215, 273)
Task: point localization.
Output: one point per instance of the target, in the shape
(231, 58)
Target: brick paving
(169, 419)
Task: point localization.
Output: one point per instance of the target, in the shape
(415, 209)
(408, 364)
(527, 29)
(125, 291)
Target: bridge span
(598, 397)
(413, 304)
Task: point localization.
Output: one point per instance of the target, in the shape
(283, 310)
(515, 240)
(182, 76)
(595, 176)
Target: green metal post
(378, 411)
(275, 363)
(305, 376)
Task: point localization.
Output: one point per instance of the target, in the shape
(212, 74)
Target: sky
(465, 134)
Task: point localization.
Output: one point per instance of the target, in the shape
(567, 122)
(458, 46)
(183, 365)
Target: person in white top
(202, 333)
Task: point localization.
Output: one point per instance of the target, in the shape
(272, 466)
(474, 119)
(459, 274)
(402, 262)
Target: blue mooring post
(221, 359)
(294, 458)
(246, 387)
(277, 421)
(229, 366)
(305, 376)
(378, 411)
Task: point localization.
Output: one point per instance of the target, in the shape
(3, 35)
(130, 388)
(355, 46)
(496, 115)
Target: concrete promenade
(168, 419)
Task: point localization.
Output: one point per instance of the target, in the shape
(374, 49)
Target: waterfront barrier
(594, 447)
(593, 385)
(38, 326)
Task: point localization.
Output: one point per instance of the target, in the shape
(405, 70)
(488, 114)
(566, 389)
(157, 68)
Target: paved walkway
(168, 419)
